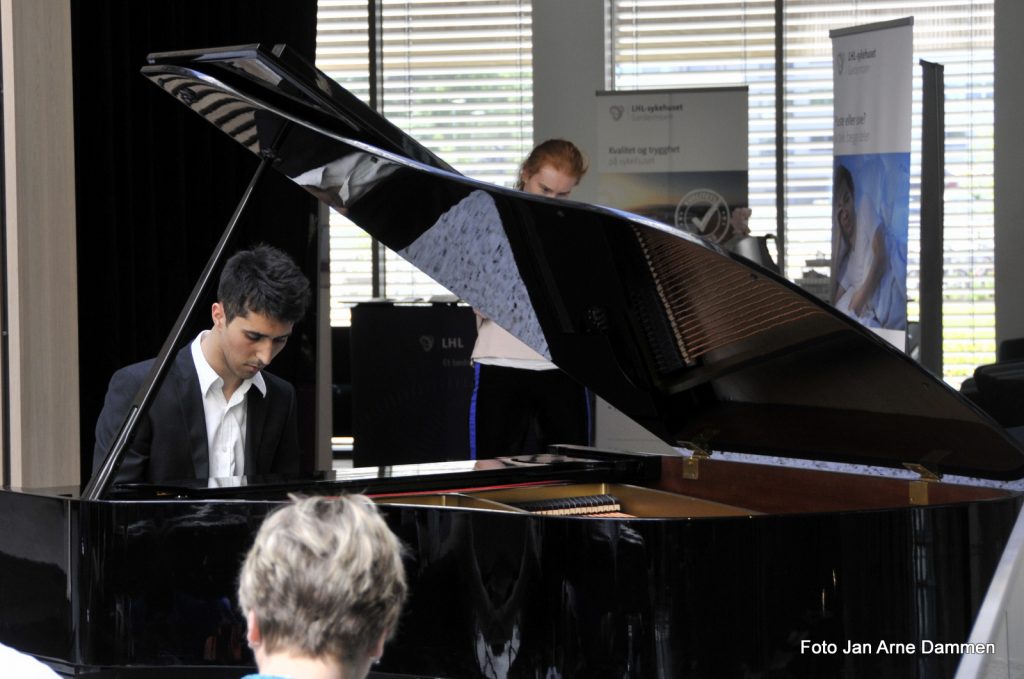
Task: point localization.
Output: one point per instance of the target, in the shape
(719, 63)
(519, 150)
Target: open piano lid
(701, 347)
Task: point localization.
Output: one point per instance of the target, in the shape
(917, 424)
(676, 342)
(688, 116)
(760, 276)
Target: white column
(41, 284)
(568, 68)
(570, 65)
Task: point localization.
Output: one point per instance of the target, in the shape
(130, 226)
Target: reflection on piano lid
(699, 346)
(408, 480)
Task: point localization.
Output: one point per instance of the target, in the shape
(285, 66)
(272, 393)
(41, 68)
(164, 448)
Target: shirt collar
(208, 377)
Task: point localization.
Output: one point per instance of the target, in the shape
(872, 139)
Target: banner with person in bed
(871, 174)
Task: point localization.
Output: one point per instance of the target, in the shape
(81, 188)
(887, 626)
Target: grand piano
(872, 558)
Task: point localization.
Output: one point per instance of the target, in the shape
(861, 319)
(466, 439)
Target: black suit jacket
(170, 441)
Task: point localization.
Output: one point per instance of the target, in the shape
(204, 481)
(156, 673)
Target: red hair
(559, 154)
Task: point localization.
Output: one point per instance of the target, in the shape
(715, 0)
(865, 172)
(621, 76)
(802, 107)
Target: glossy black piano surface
(722, 568)
(718, 577)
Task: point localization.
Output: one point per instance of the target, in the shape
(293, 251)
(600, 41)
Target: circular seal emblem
(705, 213)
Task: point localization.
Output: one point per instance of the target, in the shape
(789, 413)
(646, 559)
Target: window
(458, 77)
(658, 44)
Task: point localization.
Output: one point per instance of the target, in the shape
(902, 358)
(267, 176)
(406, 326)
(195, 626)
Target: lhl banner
(677, 156)
(873, 76)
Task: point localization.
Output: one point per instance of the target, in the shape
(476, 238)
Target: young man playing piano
(217, 414)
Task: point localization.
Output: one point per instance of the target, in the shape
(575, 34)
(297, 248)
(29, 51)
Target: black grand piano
(716, 566)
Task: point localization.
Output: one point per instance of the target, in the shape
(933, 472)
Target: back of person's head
(324, 579)
(264, 280)
(560, 154)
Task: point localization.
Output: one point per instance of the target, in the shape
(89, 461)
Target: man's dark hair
(265, 280)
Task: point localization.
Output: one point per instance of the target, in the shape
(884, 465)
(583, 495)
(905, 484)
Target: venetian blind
(458, 77)
(659, 44)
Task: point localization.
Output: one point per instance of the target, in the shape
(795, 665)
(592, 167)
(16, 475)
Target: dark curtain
(156, 184)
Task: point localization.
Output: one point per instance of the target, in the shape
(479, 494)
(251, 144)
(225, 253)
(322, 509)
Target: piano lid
(701, 347)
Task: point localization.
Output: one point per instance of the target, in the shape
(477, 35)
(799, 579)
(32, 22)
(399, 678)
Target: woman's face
(548, 181)
(843, 210)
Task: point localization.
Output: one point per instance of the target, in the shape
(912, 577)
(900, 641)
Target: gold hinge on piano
(691, 464)
(919, 486)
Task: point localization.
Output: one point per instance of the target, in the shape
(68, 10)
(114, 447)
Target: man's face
(246, 344)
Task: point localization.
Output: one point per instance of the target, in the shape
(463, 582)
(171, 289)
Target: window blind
(458, 77)
(659, 44)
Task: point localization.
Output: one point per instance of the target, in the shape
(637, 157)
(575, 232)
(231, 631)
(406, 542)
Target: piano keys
(721, 568)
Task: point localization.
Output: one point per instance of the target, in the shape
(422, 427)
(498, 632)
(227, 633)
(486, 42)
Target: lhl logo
(427, 343)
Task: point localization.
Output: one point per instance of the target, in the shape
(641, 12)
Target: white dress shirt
(225, 419)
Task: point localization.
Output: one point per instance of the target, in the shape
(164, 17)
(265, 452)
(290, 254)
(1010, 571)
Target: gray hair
(324, 578)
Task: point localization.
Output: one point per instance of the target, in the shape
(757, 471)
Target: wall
(1009, 169)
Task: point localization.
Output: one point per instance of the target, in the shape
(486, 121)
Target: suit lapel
(191, 399)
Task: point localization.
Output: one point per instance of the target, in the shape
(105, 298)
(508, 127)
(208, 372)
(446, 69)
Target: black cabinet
(412, 381)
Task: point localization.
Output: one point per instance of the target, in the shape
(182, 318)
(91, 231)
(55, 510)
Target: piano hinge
(919, 486)
(691, 464)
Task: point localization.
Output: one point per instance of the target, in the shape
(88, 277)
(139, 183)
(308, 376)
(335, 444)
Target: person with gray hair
(321, 589)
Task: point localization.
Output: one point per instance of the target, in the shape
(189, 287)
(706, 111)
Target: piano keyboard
(580, 505)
